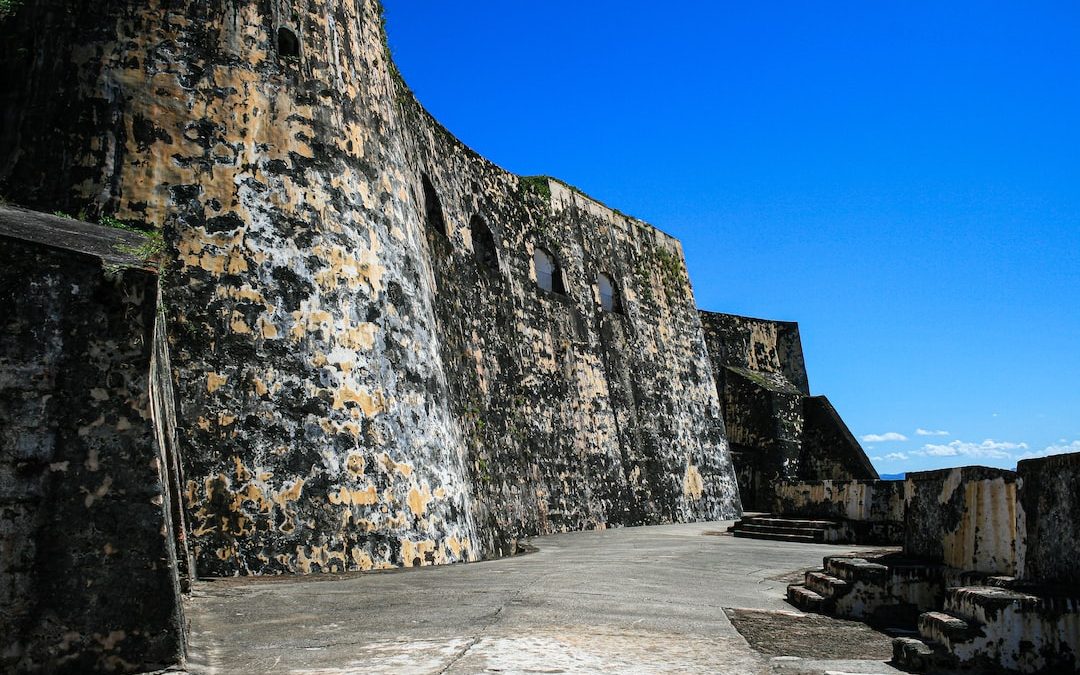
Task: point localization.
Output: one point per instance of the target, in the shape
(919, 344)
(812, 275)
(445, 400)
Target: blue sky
(901, 178)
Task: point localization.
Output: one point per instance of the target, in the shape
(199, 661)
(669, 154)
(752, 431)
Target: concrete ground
(634, 600)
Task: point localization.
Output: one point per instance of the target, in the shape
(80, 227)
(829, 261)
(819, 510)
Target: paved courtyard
(635, 600)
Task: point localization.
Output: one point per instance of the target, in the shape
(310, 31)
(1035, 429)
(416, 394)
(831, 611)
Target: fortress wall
(87, 565)
(964, 517)
(764, 424)
(1048, 520)
(761, 380)
(574, 417)
(829, 449)
(876, 501)
(759, 345)
(313, 415)
(316, 419)
(777, 431)
(329, 363)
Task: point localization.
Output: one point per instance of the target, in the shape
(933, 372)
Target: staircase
(995, 628)
(819, 592)
(886, 590)
(778, 528)
(966, 621)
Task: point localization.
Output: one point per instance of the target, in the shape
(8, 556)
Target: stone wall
(964, 517)
(763, 418)
(574, 417)
(87, 564)
(761, 380)
(777, 431)
(758, 345)
(828, 449)
(1048, 520)
(356, 390)
(878, 501)
(873, 510)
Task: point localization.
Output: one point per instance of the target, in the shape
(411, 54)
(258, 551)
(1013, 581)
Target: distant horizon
(902, 182)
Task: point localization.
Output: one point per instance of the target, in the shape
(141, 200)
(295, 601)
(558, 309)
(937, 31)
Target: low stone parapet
(1048, 520)
(964, 517)
(989, 560)
(872, 509)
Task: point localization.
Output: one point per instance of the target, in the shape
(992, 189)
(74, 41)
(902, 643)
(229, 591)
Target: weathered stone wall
(87, 565)
(777, 431)
(879, 501)
(763, 418)
(354, 393)
(964, 517)
(575, 417)
(1048, 520)
(759, 345)
(828, 450)
(873, 509)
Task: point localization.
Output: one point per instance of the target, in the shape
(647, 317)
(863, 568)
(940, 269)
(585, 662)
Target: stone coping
(69, 234)
(967, 473)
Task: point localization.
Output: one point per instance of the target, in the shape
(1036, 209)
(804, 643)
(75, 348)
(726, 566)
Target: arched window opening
(433, 208)
(548, 274)
(288, 45)
(483, 244)
(609, 294)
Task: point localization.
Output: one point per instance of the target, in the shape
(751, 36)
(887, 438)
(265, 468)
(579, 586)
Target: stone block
(1048, 520)
(963, 517)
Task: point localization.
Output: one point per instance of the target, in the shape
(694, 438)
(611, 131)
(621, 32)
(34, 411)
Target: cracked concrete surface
(636, 600)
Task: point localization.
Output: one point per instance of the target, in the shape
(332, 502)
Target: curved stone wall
(354, 391)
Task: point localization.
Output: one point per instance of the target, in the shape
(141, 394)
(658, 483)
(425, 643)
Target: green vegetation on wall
(539, 185)
(8, 7)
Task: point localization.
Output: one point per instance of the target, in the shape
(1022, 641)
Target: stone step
(806, 599)
(887, 569)
(961, 598)
(855, 569)
(826, 585)
(940, 627)
(969, 578)
(800, 538)
(788, 522)
(975, 603)
(918, 571)
(775, 529)
(913, 655)
(833, 564)
(1030, 628)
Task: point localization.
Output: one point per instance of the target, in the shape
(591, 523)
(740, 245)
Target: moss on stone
(539, 185)
(8, 7)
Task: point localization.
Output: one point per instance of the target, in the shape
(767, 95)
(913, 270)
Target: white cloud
(968, 452)
(895, 456)
(990, 449)
(881, 438)
(930, 432)
(891, 457)
(1060, 449)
